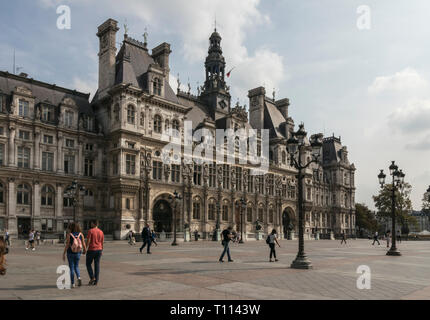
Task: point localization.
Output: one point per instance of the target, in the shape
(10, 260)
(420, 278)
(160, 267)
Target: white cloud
(85, 85)
(407, 81)
(413, 118)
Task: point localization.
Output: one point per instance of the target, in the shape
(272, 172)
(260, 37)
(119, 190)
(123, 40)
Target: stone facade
(113, 146)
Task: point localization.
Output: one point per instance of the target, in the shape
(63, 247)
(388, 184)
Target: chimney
(282, 106)
(107, 52)
(160, 54)
(256, 107)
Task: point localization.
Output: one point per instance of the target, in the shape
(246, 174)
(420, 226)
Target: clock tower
(215, 91)
(107, 52)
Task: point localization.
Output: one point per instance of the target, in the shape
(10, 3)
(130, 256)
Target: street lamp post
(397, 182)
(73, 193)
(242, 208)
(296, 147)
(175, 200)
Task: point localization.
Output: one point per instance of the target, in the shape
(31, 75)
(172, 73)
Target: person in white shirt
(272, 239)
(30, 240)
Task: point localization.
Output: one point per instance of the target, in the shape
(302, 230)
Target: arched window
(249, 213)
(23, 194)
(130, 114)
(225, 207)
(1, 193)
(157, 124)
(116, 112)
(175, 125)
(196, 208)
(157, 86)
(47, 195)
(211, 210)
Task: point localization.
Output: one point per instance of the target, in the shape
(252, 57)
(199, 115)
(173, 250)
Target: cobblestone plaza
(191, 271)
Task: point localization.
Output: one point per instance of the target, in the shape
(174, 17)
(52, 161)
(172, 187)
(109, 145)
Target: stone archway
(162, 216)
(288, 222)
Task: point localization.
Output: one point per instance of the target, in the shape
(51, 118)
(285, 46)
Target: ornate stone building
(50, 136)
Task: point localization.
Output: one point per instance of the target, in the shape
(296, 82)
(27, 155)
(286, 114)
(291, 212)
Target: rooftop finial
(179, 83)
(145, 37)
(125, 28)
(215, 21)
(273, 93)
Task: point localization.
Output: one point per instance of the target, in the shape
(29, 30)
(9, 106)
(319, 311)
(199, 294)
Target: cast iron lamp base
(301, 262)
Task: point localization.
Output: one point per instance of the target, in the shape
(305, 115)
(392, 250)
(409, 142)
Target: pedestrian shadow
(25, 288)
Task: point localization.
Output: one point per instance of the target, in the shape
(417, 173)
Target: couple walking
(227, 236)
(148, 237)
(93, 248)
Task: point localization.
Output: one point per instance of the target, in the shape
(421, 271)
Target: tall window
(130, 114)
(175, 127)
(157, 168)
(23, 157)
(48, 139)
(176, 173)
(270, 184)
(197, 174)
(196, 209)
(157, 86)
(211, 211)
(284, 190)
(2, 103)
(115, 164)
(249, 214)
(142, 119)
(116, 112)
(23, 108)
(47, 161)
(2, 154)
(68, 118)
(226, 176)
(89, 167)
(238, 178)
(225, 212)
(89, 123)
(260, 186)
(261, 214)
(47, 196)
(212, 175)
(1, 193)
(24, 135)
(130, 164)
(70, 143)
(270, 215)
(23, 194)
(157, 124)
(250, 182)
(69, 163)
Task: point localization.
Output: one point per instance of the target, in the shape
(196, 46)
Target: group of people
(387, 237)
(92, 247)
(228, 235)
(33, 235)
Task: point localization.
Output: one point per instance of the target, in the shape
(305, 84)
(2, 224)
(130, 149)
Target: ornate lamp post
(296, 147)
(397, 182)
(242, 208)
(175, 200)
(72, 192)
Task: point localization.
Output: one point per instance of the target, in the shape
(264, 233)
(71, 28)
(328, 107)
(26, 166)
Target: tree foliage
(403, 204)
(365, 218)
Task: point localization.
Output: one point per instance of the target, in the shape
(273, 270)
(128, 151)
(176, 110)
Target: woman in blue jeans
(75, 243)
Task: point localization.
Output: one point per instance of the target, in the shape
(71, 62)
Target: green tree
(426, 202)
(403, 204)
(365, 219)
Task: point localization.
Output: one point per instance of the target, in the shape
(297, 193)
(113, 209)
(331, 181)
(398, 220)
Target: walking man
(399, 236)
(95, 240)
(6, 234)
(146, 238)
(343, 237)
(226, 238)
(375, 238)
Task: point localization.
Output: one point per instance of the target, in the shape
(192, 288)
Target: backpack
(268, 239)
(77, 243)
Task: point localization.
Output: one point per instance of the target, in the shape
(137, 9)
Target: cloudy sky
(369, 86)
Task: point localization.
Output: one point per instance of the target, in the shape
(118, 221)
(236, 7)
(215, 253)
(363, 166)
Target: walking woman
(3, 252)
(272, 239)
(75, 242)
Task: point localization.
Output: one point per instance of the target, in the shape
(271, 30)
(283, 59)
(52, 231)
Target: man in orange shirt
(95, 239)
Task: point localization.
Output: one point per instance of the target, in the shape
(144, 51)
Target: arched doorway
(162, 216)
(288, 222)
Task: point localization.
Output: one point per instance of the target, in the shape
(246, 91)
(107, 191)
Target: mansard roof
(274, 120)
(132, 64)
(43, 91)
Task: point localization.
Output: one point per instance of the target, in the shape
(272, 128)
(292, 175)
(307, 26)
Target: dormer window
(2, 103)
(23, 108)
(130, 114)
(157, 87)
(89, 122)
(68, 118)
(48, 113)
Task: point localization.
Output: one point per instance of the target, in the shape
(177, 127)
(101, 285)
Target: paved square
(192, 271)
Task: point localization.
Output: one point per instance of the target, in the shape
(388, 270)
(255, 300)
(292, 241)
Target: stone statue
(37, 114)
(219, 175)
(179, 83)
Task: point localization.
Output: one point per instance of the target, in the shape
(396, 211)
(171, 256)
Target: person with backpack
(131, 238)
(95, 243)
(271, 240)
(75, 244)
(226, 238)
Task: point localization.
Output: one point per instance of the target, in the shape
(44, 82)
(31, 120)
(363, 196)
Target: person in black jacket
(146, 238)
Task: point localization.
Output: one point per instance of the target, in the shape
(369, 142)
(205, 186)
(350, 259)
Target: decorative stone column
(36, 205)
(80, 159)
(60, 162)
(59, 207)
(36, 151)
(11, 202)
(11, 151)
